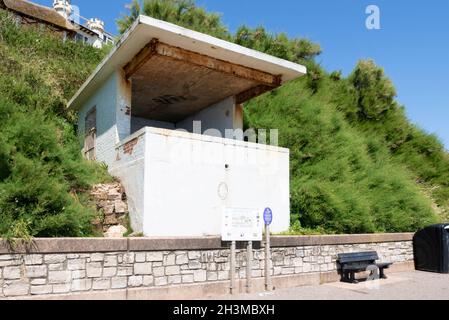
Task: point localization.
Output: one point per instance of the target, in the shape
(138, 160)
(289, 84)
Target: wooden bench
(351, 263)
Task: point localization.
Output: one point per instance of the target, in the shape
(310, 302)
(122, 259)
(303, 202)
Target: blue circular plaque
(268, 216)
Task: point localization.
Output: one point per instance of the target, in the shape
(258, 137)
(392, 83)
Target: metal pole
(232, 269)
(249, 260)
(268, 283)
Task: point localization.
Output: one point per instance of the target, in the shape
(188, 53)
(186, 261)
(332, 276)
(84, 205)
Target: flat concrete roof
(146, 29)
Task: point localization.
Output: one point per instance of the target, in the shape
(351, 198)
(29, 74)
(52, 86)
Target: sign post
(249, 264)
(232, 275)
(241, 224)
(268, 219)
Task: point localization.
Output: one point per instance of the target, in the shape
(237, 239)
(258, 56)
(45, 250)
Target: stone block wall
(44, 273)
(110, 200)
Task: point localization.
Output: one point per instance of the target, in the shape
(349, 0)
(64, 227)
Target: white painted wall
(184, 172)
(219, 116)
(123, 107)
(112, 101)
(94, 41)
(175, 181)
(105, 100)
(130, 169)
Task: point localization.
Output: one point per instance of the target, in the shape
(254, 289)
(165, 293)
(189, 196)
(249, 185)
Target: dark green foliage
(375, 92)
(128, 19)
(296, 50)
(342, 181)
(42, 174)
(181, 12)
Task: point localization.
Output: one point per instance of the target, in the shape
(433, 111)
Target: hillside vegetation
(350, 173)
(357, 163)
(43, 178)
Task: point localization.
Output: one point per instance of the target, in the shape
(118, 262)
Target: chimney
(63, 7)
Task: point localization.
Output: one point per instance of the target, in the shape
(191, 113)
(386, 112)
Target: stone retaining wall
(59, 266)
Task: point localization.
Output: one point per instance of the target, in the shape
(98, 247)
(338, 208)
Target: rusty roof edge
(241, 55)
(224, 45)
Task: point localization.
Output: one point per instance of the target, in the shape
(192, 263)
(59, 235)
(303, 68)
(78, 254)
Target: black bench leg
(349, 277)
(382, 273)
(346, 276)
(352, 279)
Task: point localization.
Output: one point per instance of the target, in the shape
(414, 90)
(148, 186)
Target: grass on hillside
(43, 178)
(345, 178)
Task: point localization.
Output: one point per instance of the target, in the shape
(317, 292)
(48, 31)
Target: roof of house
(145, 30)
(42, 13)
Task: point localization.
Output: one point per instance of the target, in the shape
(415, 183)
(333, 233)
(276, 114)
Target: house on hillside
(31, 14)
(164, 111)
(59, 20)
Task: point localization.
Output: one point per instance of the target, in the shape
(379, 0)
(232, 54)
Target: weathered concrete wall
(156, 166)
(129, 167)
(104, 100)
(220, 116)
(113, 105)
(97, 266)
(123, 107)
(139, 123)
(190, 179)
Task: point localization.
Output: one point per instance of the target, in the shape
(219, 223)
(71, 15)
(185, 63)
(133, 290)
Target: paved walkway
(399, 286)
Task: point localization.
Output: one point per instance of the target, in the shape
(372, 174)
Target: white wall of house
(93, 40)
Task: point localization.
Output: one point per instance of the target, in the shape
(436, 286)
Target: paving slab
(399, 286)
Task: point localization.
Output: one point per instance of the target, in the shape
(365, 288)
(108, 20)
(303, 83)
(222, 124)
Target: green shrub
(342, 181)
(43, 179)
(43, 174)
(375, 92)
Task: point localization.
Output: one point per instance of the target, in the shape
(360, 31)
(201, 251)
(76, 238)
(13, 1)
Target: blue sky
(412, 45)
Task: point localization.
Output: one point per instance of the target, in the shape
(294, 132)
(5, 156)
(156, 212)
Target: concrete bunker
(148, 97)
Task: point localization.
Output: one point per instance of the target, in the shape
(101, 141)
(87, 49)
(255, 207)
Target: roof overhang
(85, 29)
(134, 51)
